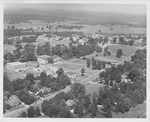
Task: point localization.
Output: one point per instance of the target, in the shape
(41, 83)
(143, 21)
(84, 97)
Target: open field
(127, 50)
(79, 61)
(116, 30)
(70, 66)
(86, 29)
(93, 88)
(13, 75)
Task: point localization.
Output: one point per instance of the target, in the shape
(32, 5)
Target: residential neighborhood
(62, 69)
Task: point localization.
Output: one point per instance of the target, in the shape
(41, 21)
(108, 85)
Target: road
(40, 101)
(36, 103)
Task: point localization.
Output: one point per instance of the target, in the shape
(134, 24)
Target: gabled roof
(70, 102)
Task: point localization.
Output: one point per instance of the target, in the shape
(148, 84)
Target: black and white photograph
(74, 60)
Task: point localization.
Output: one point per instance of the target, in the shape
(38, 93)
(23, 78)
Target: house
(43, 59)
(81, 41)
(32, 64)
(45, 90)
(13, 101)
(16, 65)
(138, 42)
(70, 103)
(56, 58)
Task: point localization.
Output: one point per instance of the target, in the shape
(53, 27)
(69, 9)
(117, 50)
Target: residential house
(138, 42)
(70, 103)
(56, 58)
(43, 59)
(45, 90)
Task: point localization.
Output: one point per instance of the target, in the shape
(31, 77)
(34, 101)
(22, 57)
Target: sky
(109, 8)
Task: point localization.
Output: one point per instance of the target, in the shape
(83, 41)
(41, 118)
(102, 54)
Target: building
(43, 59)
(45, 90)
(56, 58)
(16, 65)
(138, 42)
(13, 101)
(70, 103)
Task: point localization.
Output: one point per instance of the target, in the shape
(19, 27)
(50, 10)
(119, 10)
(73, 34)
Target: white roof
(16, 63)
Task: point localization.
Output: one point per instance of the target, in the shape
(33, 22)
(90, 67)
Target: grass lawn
(70, 66)
(127, 50)
(13, 75)
(93, 88)
(79, 61)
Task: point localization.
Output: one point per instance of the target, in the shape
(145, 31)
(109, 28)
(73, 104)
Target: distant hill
(85, 17)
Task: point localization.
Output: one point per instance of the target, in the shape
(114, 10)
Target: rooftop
(70, 102)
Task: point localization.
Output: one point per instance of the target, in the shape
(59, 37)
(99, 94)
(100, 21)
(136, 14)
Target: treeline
(67, 52)
(70, 27)
(12, 31)
(25, 55)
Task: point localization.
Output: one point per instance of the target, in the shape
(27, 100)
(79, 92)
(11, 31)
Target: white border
(147, 2)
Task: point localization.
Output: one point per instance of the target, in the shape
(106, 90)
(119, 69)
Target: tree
(64, 113)
(60, 71)
(25, 97)
(119, 53)
(105, 40)
(94, 106)
(88, 63)
(30, 111)
(30, 77)
(7, 106)
(37, 111)
(23, 114)
(50, 60)
(82, 71)
(134, 74)
(123, 105)
(80, 111)
(54, 86)
(77, 88)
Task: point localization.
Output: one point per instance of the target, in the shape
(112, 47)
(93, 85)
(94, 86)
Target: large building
(43, 59)
(16, 65)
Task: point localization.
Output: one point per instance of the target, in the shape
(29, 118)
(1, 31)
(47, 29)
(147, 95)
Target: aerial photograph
(74, 60)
